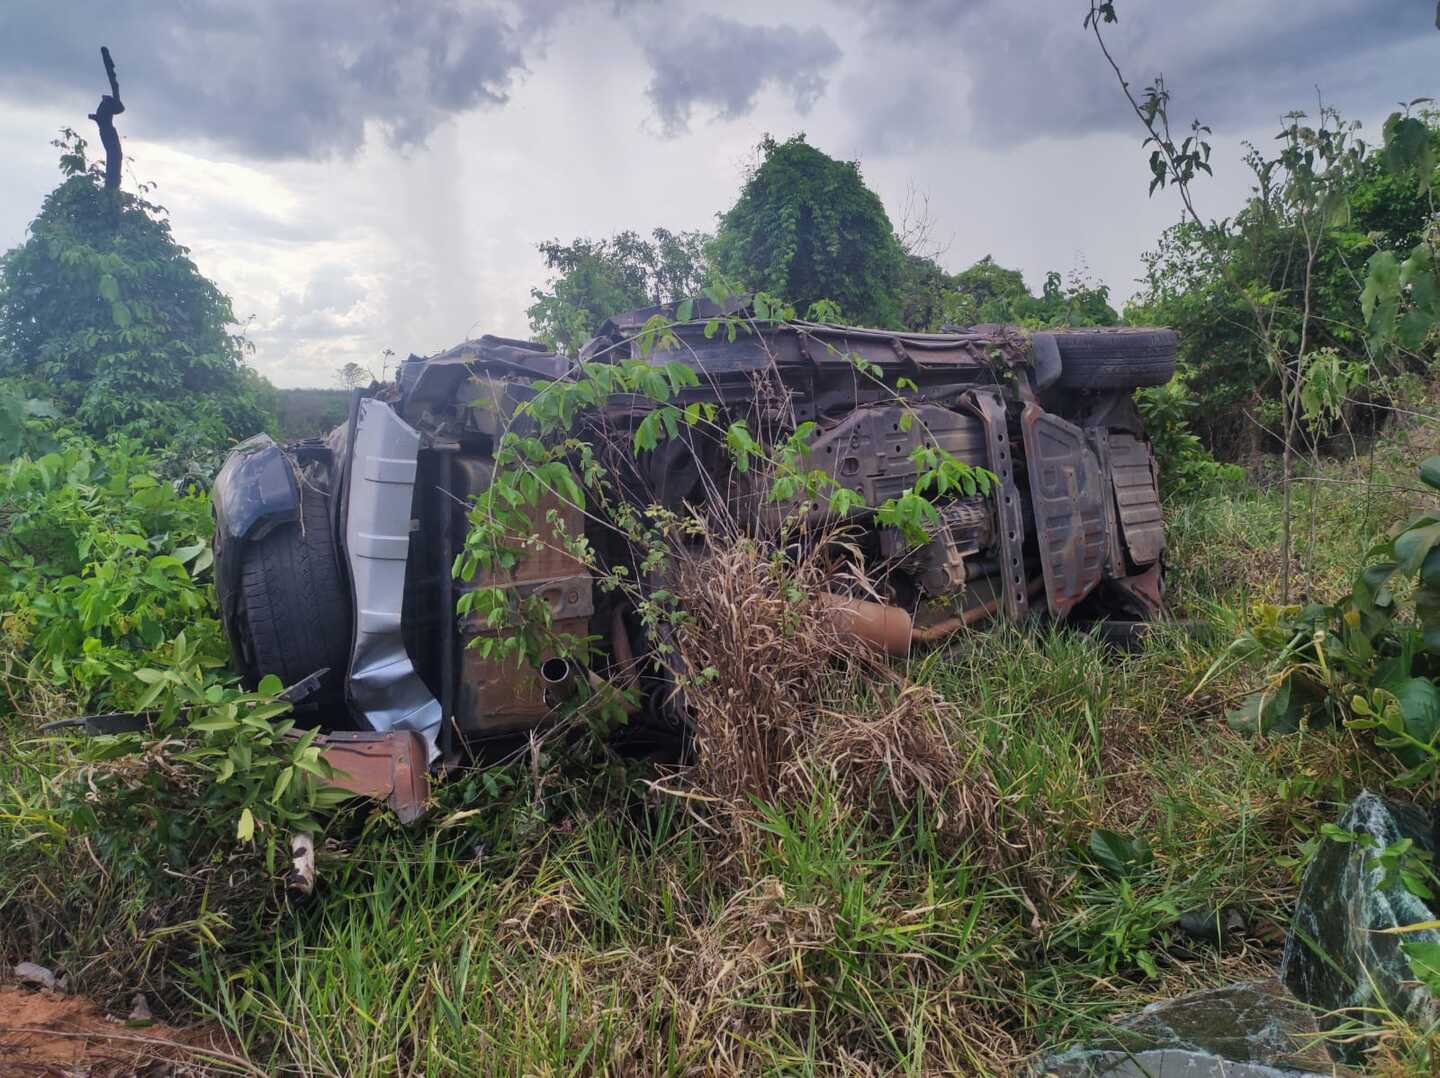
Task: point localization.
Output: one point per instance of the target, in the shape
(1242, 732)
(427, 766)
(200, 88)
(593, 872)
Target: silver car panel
(383, 685)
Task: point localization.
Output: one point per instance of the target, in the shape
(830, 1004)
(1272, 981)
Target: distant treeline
(307, 413)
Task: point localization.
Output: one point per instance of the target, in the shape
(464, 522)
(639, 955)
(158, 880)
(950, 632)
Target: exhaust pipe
(892, 629)
(558, 676)
(887, 627)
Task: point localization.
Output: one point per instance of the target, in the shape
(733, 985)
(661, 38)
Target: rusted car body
(336, 554)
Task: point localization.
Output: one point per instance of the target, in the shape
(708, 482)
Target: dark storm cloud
(274, 78)
(724, 64)
(1013, 72)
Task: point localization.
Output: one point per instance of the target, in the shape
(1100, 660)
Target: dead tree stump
(104, 116)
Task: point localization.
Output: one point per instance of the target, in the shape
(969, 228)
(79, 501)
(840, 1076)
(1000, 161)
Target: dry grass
(788, 702)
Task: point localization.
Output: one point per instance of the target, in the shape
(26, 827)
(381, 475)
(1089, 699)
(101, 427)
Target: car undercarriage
(335, 555)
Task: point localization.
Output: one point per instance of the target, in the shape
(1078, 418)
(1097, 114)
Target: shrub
(103, 308)
(100, 564)
(1186, 466)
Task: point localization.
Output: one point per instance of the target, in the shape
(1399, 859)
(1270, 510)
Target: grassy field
(567, 919)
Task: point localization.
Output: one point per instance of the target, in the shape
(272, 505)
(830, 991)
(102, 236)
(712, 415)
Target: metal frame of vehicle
(1075, 517)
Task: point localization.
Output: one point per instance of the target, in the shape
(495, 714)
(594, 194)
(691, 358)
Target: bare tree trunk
(1290, 385)
(104, 116)
(1286, 465)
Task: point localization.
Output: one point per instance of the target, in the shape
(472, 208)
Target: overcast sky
(369, 174)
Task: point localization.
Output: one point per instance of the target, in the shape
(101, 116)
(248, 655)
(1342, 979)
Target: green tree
(1308, 185)
(923, 288)
(988, 292)
(594, 279)
(1204, 281)
(104, 313)
(807, 228)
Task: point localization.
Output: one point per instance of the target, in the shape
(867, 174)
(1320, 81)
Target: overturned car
(334, 555)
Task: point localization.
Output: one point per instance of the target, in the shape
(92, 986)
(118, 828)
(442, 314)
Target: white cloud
(331, 259)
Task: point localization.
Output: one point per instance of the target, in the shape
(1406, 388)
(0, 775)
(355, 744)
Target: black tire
(293, 606)
(1116, 358)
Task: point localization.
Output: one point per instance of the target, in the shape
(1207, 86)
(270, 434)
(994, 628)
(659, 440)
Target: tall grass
(604, 925)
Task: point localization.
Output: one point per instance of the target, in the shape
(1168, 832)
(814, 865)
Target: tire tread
(1116, 359)
(293, 601)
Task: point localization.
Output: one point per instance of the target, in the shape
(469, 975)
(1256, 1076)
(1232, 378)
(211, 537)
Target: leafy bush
(127, 852)
(807, 228)
(989, 292)
(1368, 661)
(1208, 281)
(100, 564)
(216, 765)
(104, 310)
(594, 279)
(1186, 466)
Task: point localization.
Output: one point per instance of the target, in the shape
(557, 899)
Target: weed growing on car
(577, 461)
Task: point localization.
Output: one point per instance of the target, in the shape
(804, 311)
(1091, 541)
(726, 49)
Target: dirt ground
(44, 1033)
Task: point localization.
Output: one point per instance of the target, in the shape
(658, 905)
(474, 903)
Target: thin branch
(1147, 121)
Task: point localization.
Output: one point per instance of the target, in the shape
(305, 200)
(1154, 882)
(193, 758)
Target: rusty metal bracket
(991, 409)
(388, 766)
(1099, 439)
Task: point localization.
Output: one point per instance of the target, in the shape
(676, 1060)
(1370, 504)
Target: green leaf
(684, 309)
(1268, 712)
(1408, 146)
(1414, 327)
(741, 444)
(185, 553)
(282, 783)
(109, 288)
(1337, 209)
(270, 685)
(1424, 956)
(214, 726)
(1413, 544)
(1419, 702)
(1381, 282)
(647, 434)
(1119, 854)
(843, 500)
(1430, 472)
(245, 829)
(120, 314)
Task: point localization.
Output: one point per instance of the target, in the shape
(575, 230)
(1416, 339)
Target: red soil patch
(42, 1033)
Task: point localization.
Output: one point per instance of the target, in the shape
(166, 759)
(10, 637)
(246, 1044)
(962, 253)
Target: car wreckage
(333, 556)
